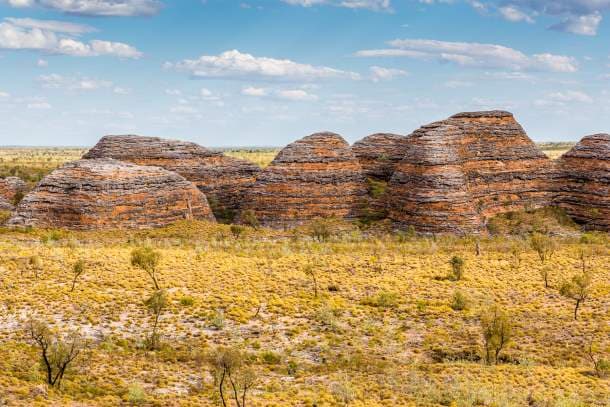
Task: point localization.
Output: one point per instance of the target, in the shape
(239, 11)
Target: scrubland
(328, 314)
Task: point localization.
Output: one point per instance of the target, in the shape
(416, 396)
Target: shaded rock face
(584, 182)
(379, 154)
(109, 194)
(222, 179)
(458, 172)
(317, 176)
(10, 187)
(5, 205)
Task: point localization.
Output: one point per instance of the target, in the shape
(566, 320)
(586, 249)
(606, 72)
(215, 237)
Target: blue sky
(266, 72)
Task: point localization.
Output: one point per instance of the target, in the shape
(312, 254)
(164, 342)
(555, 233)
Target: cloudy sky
(266, 72)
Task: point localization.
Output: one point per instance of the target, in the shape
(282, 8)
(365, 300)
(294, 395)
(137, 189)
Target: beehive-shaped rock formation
(110, 194)
(379, 154)
(5, 205)
(316, 176)
(221, 178)
(458, 172)
(10, 187)
(584, 182)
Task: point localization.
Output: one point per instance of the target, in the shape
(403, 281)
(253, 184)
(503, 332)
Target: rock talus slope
(221, 178)
(316, 176)
(584, 182)
(458, 172)
(109, 194)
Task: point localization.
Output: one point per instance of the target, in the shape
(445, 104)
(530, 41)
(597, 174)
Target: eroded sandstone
(10, 187)
(110, 194)
(379, 154)
(458, 172)
(584, 182)
(221, 178)
(316, 176)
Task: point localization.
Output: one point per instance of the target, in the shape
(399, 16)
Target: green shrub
(459, 302)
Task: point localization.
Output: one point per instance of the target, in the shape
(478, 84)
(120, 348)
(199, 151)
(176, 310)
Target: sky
(267, 72)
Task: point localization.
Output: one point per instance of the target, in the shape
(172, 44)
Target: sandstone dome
(110, 194)
(458, 172)
(10, 187)
(316, 176)
(584, 182)
(221, 178)
(379, 154)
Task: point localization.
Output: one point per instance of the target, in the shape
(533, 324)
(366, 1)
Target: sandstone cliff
(584, 182)
(222, 179)
(110, 194)
(458, 172)
(317, 176)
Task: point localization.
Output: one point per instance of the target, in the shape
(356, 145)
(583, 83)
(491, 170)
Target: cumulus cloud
(295, 95)
(581, 17)
(4, 94)
(236, 65)
(379, 73)
(472, 54)
(375, 5)
(54, 37)
(117, 8)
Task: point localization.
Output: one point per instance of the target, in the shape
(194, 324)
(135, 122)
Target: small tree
(578, 289)
(497, 333)
(600, 365)
(56, 352)
(545, 273)
(77, 270)
(459, 301)
(147, 259)
(249, 218)
(310, 270)
(237, 231)
(156, 304)
(232, 375)
(543, 245)
(457, 268)
(516, 250)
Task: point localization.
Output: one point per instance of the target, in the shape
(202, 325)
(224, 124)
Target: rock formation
(584, 182)
(379, 154)
(458, 172)
(10, 187)
(316, 176)
(110, 194)
(222, 179)
(5, 205)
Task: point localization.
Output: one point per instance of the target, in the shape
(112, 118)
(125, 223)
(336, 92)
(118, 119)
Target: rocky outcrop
(458, 172)
(584, 182)
(379, 154)
(316, 176)
(110, 194)
(10, 187)
(222, 179)
(5, 205)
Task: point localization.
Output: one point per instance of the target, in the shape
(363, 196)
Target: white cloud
(379, 73)
(39, 105)
(120, 8)
(42, 63)
(51, 37)
(173, 92)
(4, 94)
(511, 13)
(296, 95)
(571, 96)
(236, 65)
(251, 91)
(375, 5)
(581, 25)
(204, 92)
(121, 91)
(55, 81)
(472, 54)
(457, 84)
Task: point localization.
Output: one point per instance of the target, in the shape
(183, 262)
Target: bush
(459, 302)
(249, 218)
(383, 299)
(457, 268)
(270, 358)
(187, 301)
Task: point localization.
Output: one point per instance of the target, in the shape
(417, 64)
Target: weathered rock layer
(584, 182)
(458, 172)
(316, 176)
(110, 194)
(222, 179)
(10, 187)
(379, 154)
